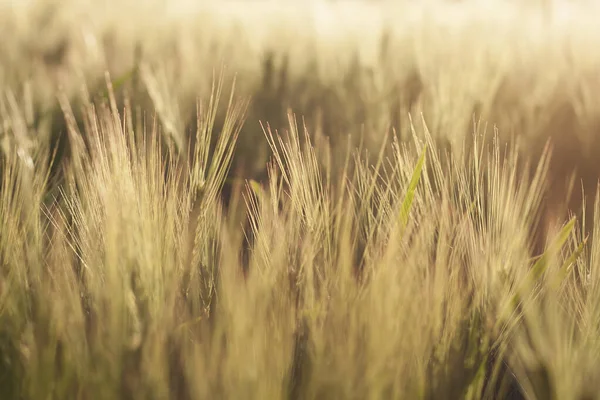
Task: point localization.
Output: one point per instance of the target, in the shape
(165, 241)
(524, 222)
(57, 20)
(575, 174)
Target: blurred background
(351, 69)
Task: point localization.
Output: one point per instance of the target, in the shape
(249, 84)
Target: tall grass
(413, 277)
(392, 244)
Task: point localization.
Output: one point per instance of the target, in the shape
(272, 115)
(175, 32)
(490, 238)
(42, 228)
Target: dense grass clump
(338, 224)
(413, 277)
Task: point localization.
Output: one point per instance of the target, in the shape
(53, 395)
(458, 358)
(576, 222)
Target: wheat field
(299, 200)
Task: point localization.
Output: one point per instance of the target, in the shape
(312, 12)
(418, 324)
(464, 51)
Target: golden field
(299, 200)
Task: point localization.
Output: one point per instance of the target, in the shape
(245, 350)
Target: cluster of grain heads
(408, 277)
(554, 351)
(95, 281)
(23, 180)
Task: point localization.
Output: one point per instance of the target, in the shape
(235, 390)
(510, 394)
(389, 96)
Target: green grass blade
(541, 264)
(565, 268)
(412, 187)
